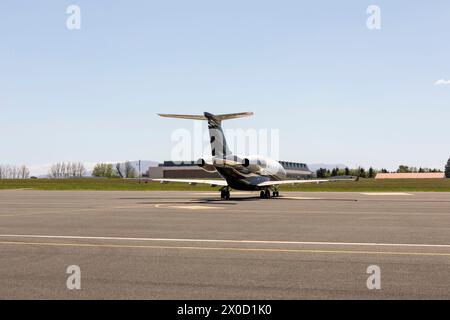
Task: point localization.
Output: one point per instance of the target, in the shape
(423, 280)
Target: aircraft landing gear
(225, 193)
(264, 194)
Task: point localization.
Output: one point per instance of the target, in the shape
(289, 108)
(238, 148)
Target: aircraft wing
(279, 182)
(194, 181)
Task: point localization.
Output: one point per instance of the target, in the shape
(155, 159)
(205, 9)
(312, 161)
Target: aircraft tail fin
(218, 142)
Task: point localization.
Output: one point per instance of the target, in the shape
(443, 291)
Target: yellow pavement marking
(62, 211)
(134, 206)
(299, 198)
(66, 211)
(91, 245)
(189, 207)
(196, 207)
(24, 214)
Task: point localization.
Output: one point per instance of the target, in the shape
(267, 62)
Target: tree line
(406, 169)
(64, 170)
(371, 172)
(447, 169)
(14, 172)
(117, 170)
(357, 172)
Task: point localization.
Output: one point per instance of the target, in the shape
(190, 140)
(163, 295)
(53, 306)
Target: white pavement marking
(256, 194)
(386, 194)
(229, 241)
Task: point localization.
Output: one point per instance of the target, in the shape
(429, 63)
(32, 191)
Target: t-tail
(219, 148)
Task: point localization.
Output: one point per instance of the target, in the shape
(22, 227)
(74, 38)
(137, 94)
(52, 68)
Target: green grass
(363, 185)
(372, 185)
(95, 184)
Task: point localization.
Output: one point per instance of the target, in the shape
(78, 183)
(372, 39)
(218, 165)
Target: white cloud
(442, 82)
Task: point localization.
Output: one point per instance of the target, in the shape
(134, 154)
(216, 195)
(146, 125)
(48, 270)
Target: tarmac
(194, 245)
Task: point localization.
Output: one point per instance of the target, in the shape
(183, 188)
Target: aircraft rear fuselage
(247, 177)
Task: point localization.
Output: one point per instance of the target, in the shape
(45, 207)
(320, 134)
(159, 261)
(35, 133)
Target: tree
(130, 171)
(361, 172)
(14, 172)
(61, 170)
(109, 170)
(346, 171)
(80, 170)
(403, 169)
(372, 173)
(334, 172)
(97, 171)
(321, 173)
(103, 170)
(126, 170)
(24, 172)
(119, 169)
(447, 169)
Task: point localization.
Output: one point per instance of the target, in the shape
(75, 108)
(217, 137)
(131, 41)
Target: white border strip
(368, 244)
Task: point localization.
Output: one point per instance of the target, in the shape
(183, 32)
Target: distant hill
(328, 166)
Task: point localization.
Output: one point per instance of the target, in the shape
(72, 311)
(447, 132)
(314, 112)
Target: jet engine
(250, 165)
(205, 165)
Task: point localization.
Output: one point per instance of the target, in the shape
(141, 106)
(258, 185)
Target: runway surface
(192, 245)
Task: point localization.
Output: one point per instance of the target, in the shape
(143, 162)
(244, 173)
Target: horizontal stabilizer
(207, 116)
(232, 115)
(183, 116)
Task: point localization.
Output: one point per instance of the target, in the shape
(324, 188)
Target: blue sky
(337, 91)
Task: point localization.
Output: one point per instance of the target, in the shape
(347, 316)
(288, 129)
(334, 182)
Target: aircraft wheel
(262, 194)
(275, 194)
(225, 194)
(267, 194)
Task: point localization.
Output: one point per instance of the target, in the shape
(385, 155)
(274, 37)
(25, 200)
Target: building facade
(190, 170)
(296, 170)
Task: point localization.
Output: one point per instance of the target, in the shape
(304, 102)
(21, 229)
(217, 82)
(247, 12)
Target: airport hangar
(190, 169)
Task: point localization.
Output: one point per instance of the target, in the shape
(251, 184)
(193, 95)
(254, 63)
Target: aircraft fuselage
(247, 177)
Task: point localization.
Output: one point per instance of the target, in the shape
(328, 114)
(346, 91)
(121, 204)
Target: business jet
(251, 173)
